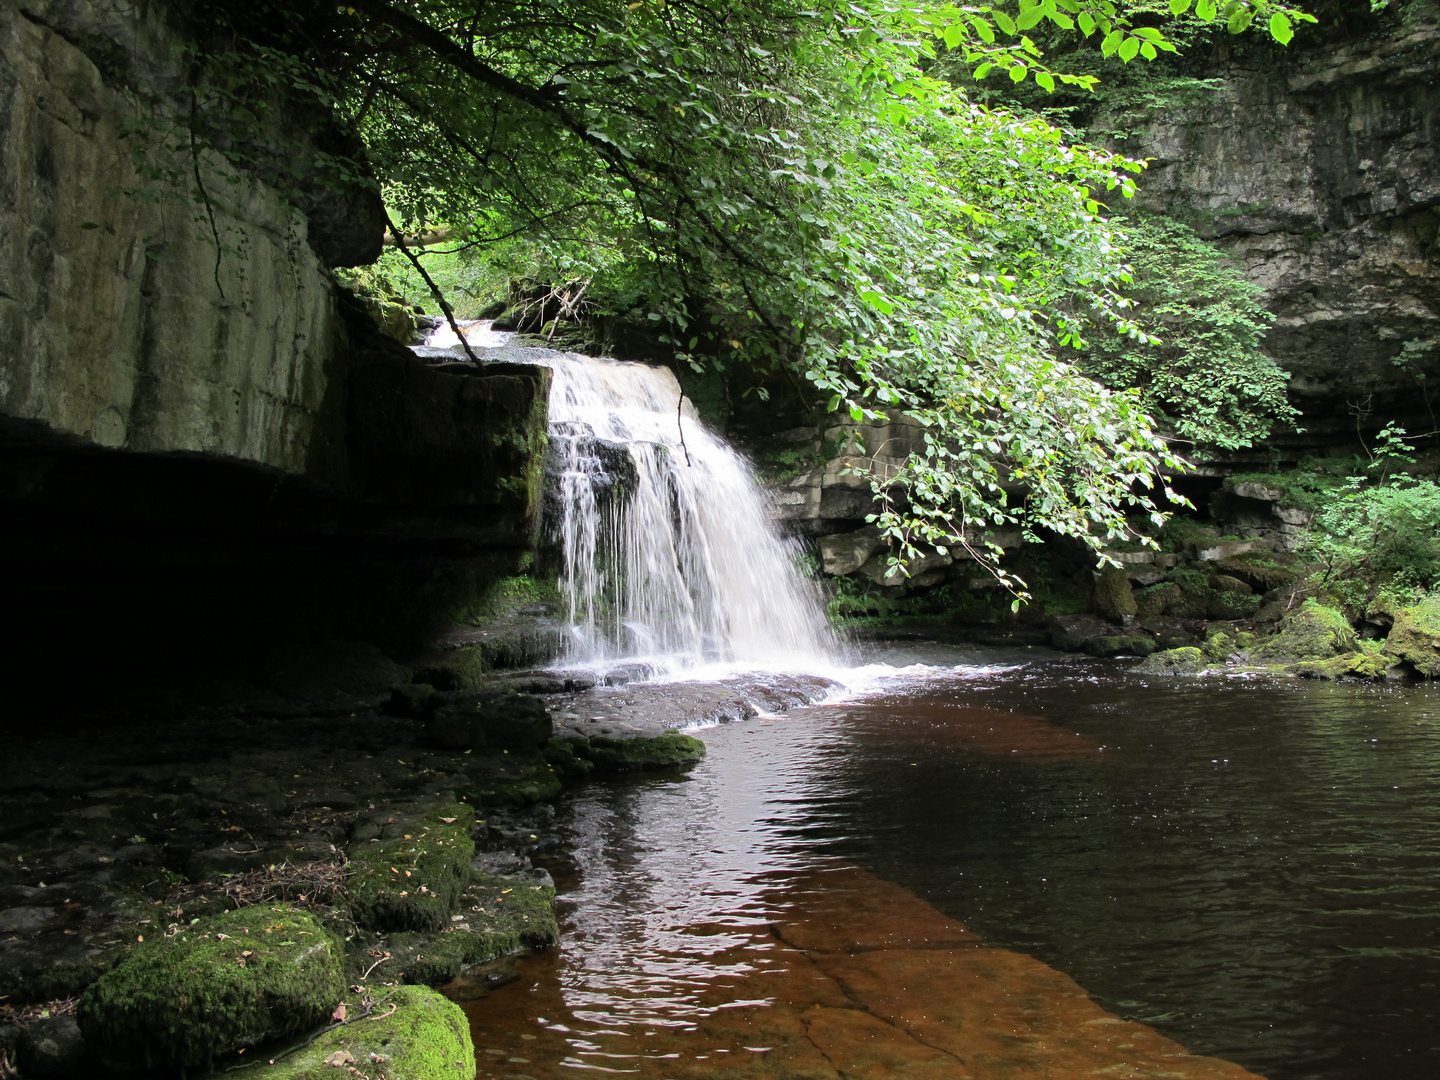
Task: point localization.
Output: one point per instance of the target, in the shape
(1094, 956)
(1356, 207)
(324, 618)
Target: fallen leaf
(339, 1013)
(448, 820)
(339, 1059)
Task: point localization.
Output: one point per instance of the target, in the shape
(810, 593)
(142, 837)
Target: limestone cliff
(149, 300)
(1318, 169)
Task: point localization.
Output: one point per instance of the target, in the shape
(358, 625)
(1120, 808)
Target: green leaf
(1018, 73)
(1128, 48)
(983, 70)
(1280, 28)
(1059, 18)
(1045, 79)
(982, 28)
(1029, 18)
(954, 35)
(1003, 21)
(1111, 42)
(1205, 10)
(1179, 7)
(1087, 22)
(1147, 50)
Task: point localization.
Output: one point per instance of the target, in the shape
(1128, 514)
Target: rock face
(1318, 170)
(135, 314)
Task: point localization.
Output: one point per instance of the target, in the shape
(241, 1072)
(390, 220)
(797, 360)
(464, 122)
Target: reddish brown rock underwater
(855, 977)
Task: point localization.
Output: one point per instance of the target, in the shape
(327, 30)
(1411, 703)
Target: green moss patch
(1314, 632)
(228, 981)
(1356, 665)
(410, 877)
(641, 753)
(412, 1033)
(523, 785)
(1184, 661)
(497, 916)
(1415, 637)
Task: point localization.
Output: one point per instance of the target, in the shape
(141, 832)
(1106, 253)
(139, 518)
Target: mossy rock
(1313, 632)
(560, 755)
(1356, 665)
(1415, 636)
(498, 916)
(225, 982)
(411, 877)
(1114, 597)
(457, 669)
(1184, 661)
(1120, 645)
(1156, 600)
(1229, 606)
(425, 1037)
(642, 753)
(532, 784)
(1259, 570)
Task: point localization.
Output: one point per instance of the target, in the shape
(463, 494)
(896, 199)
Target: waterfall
(667, 547)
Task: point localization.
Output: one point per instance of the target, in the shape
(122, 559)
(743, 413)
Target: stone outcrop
(136, 311)
(1318, 169)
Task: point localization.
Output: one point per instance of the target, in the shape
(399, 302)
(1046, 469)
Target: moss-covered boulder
(1415, 636)
(410, 876)
(1313, 632)
(1228, 606)
(1355, 665)
(1120, 645)
(1156, 600)
(225, 982)
(1185, 661)
(1114, 597)
(411, 1033)
(638, 754)
(498, 915)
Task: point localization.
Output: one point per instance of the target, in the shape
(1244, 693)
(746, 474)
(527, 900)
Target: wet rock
(1226, 584)
(845, 553)
(1227, 549)
(26, 919)
(1260, 570)
(1071, 632)
(225, 982)
(53, 1047)
(879, 569)
(487, 720)
(1120, 645)
(1114, 598)
(411, 700)
(1182, 661)
(415, 1032)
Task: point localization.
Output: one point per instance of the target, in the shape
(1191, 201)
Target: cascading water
(668, 551)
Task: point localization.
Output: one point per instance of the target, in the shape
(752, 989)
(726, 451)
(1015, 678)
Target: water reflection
(1249, 867)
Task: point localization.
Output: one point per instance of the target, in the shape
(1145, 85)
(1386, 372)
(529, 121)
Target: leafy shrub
(1205, 377)
(1387, 535)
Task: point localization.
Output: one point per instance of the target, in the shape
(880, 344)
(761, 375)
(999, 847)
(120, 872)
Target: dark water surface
(1250, 867)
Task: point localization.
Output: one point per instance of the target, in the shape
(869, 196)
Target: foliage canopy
(784, 185)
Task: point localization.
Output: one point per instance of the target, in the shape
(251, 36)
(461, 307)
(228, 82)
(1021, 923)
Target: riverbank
(402, 831)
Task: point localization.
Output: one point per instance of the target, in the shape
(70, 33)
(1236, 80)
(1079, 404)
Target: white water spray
(668, 552)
